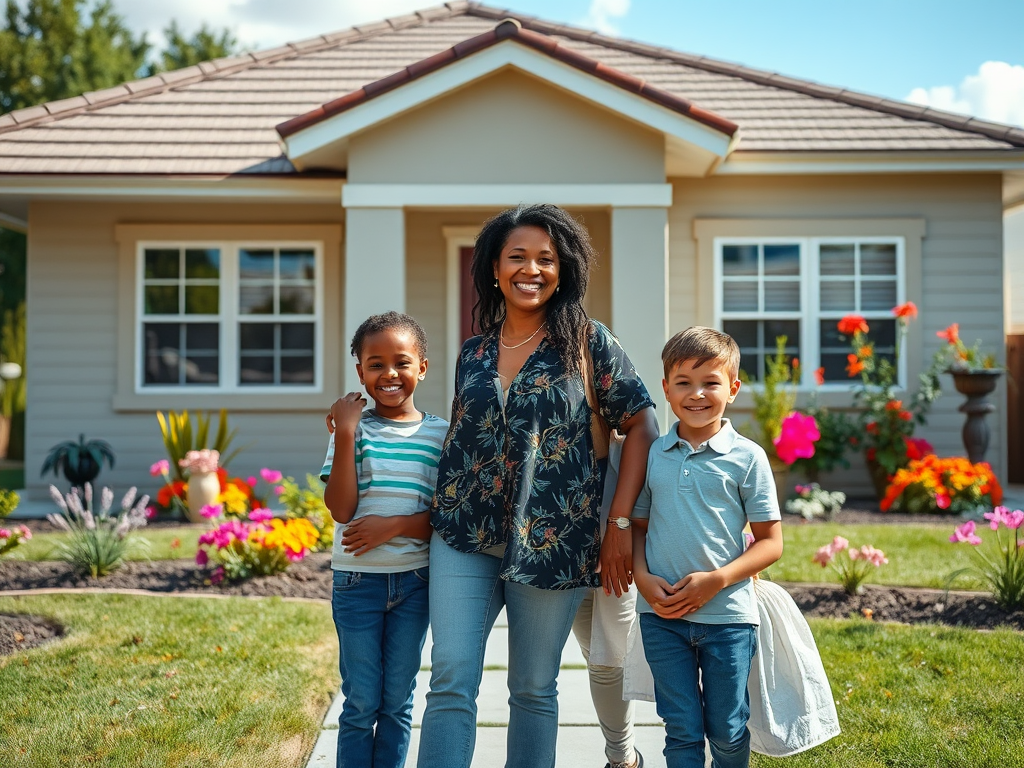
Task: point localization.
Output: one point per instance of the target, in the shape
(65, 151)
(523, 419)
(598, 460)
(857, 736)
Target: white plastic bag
(791, 706)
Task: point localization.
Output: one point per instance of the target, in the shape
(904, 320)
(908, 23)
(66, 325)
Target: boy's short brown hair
(702, 344)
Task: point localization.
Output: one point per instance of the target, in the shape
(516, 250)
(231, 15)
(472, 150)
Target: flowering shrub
(1004, 569)
(931, 484)
(813, 501)
(887, 422)
(99, 541)
(958, 357)
(796, 438)
(308, 503)
(260, 546)
(855, 567)
(12, 537)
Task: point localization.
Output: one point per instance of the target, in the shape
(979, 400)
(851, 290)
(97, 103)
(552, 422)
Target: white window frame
(228, 318)
(810, 314)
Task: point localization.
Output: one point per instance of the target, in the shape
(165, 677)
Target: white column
(640, 293)
(374, 272)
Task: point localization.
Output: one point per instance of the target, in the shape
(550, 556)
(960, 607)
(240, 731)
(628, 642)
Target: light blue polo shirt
(697, 502)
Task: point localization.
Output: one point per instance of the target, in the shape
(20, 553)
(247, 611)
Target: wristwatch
(619, 522)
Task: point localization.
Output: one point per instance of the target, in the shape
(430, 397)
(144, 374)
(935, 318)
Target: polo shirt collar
(722, 442)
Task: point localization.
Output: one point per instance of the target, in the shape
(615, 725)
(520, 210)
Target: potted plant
(80, 462)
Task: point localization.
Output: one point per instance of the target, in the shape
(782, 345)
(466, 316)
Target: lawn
(919, 697)
(165, 544)
(175, 682)
(919, 555)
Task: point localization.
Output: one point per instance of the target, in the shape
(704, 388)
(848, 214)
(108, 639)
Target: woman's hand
(365, 533)
(616, 563)
(345, 413)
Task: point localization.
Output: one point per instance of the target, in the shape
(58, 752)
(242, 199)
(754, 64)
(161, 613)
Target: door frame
(456, 238)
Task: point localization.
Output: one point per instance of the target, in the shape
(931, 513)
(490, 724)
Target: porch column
(640, 293)
(374, 272)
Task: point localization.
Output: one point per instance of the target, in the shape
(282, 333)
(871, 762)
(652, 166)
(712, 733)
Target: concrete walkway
(580, 743)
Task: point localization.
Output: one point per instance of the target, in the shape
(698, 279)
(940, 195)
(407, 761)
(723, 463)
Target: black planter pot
(976, 385)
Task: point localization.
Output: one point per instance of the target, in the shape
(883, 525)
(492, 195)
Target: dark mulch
(23, 631)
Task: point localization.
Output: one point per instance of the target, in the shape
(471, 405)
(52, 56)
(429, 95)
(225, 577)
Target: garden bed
(19, 632)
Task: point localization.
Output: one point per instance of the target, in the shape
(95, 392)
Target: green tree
(206, 44)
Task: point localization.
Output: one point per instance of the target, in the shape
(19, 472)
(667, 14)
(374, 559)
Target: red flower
(166, 494)
(905, 311)
(819, 376)
(894, 405)
(853, 365)
(951, 334)
(870, 453)
(872, 428)
(851, 324)
(905, 415)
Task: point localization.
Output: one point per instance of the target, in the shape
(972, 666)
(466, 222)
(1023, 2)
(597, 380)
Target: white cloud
(602, 12)
(995, 93)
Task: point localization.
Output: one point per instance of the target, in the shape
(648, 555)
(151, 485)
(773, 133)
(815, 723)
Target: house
(210, 237)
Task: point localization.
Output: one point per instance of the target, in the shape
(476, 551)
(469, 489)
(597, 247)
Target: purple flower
(261, 515)
(202, 558)
(212, 510)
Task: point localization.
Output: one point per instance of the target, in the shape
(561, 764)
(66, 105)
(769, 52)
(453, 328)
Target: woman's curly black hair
(567, 323)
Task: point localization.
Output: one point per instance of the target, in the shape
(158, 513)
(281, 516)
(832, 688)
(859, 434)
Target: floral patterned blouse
(526, 475)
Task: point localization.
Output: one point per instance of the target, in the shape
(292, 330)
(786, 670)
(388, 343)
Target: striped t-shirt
(396, 469)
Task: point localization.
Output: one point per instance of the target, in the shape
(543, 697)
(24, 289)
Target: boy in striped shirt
(380, 471)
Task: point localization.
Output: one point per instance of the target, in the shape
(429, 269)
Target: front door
(467, 294)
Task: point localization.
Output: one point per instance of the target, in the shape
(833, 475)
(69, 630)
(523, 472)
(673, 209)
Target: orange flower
(819, 376)
(951, 334)
(865, 351)
(905, 311)
(796, 363)
(853, 365)
(852, 324)
(894, 405)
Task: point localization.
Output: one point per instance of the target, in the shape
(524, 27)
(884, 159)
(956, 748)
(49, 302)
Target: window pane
(782, 295)
(834, 364)
(161, 353)
(202, 263)
(838, 296)
(878, 259)
(837, 259)
(297, 336)
(782, 259)
(256, 264)
(756, 339)
(256, 336)
(297, 265)
(201, 369)
(256, 299)
(877, 295)
(202, 300)
(256, 370)
(161, 300)
(883, 333)
(743, 331)
(202, 337)
(739, 296)
(739, 260)
(296, 300)
(788, 328)
(162, 263)
(297, 370)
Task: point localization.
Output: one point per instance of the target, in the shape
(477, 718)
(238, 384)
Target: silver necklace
(501, 336)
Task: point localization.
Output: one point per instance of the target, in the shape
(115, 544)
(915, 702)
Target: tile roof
(219, 118)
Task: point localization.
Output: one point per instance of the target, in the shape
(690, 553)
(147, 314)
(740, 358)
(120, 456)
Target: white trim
(492, 195)
(13, 222)
(507, 53)
(228, 319)
(808, 163)
(455, 238)
(151, 188)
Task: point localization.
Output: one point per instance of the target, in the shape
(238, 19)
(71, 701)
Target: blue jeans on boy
(381, 620)
(466, 597)
(681, 654)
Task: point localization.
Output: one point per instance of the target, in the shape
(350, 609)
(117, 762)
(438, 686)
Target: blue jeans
(466, 596)
(381, 620)
(700, 686)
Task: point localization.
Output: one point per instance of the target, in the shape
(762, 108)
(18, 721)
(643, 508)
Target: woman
(515, 511)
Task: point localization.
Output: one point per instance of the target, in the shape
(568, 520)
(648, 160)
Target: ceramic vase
(203, 489)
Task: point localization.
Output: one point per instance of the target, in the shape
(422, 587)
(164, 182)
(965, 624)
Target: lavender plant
(99, 542)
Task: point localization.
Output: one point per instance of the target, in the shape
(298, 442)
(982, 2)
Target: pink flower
(261, 515)
(150, 513)
(4, 533)
(839, 544)
(205, 460)
(965, 533)
(251, 481)
(217, 576)
(295, 556)
(824, 555)
(271, 475)
(1014, 519)
(797, 437)
(212, 510)
(874, 556)
(26, 534)
(202, 558)
(162, 467)
(802, 489)
(278, 490)
(748, 539)
(942, 500)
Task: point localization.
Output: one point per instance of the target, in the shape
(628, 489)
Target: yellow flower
(234, 500)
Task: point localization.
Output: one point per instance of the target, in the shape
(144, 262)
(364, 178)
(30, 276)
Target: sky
(958, 55)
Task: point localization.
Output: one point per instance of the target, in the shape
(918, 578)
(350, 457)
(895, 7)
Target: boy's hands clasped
(670, 601)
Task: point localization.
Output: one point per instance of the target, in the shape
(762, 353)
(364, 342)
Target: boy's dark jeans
(700, 684)
(381, 620)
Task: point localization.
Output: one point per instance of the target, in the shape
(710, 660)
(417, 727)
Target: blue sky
(933, 51)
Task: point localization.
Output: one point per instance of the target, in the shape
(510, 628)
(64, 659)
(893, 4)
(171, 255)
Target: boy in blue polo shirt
(705, 483)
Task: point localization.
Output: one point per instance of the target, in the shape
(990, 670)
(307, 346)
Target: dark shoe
(638, 764)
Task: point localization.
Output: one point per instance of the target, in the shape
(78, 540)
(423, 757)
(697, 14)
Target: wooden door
(1015, 408)
(467, 293)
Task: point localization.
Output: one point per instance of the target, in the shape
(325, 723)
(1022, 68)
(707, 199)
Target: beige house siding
(962, 215)
(72, 363)
(508, 128)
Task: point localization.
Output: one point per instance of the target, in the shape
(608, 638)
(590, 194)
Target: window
(229, 316)
(800, 288)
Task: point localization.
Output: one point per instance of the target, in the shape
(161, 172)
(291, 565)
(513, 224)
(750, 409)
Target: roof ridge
(216, 68)
(1008, 133)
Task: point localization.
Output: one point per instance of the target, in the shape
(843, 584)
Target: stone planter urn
(977, 385)
(203, 489)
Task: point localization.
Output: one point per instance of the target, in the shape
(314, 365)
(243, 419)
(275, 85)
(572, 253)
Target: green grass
(919, 696)
(919, 555)
(176, 682)
(43, 546)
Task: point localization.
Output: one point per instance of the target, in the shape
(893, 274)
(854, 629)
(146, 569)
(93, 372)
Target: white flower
(129, 498)
(55, 495)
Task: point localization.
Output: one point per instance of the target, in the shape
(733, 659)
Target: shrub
(308, 503)
(99, 542)
(10, 538)
(1004, 569)
(261, 546)
(813, 501)
(855, 567)
(8, 502)
(953, 485)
